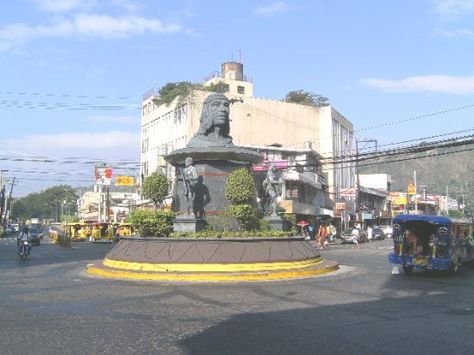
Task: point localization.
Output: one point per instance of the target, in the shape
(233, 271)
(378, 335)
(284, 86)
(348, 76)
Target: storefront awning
(296, 176)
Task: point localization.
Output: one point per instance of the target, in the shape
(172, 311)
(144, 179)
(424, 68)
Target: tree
(46, 204)
(306, 98)
(219, 86)
(155, 187)
(172, 90)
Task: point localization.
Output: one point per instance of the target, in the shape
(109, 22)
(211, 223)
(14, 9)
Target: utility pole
(8, 203)
(414, 180)
(357, 194)
(357, 197)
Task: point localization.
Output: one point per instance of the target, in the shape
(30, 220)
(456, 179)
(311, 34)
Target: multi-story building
(114, 206)
(304, 185)
(254, 121)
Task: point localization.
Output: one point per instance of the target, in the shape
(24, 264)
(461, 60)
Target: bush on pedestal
(153, 223)
(240, 191)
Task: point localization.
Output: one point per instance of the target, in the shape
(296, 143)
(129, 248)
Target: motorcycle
(24, 249)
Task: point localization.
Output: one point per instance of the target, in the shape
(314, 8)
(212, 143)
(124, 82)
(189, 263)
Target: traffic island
(212, 260)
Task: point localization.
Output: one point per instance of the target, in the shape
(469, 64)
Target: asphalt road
(48, 305)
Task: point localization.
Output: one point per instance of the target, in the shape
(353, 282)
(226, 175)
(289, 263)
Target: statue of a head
(215, 112)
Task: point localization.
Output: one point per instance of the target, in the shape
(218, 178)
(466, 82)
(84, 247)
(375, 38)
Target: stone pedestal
(187, 223)
(274, 222)
(213, 165)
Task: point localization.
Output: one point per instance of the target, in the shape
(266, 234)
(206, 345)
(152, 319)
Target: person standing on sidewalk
(369, 232)
(332, 232)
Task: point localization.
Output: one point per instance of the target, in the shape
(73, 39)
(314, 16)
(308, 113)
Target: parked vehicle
(431, 242)
(352, 235)
(9, 229)
(378, 234)
(16, 227)
(35, 234)
(388, 230)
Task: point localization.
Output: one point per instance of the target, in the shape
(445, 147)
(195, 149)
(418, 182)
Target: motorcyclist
(23, 236)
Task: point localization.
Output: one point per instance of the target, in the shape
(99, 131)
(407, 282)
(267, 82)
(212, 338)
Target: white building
(255, 121)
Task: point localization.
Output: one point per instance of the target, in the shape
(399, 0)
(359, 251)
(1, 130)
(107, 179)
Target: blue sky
(73, 71)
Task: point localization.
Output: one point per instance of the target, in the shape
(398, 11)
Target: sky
(73, 72)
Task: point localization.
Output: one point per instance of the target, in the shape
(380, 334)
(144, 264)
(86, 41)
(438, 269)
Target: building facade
(254, 121)
(304, 189)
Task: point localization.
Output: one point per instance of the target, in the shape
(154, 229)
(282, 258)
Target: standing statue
(190, 179)
(272, 186)
(214, 124)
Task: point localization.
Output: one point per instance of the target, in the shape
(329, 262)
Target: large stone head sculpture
(214, 124)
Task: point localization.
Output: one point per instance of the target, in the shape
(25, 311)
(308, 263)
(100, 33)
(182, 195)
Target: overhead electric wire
(100, 97)
(414, 118)
(65, 106)
(419, 157)
(427, 146)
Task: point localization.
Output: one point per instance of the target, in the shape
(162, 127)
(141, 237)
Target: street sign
(124, 181)
(103, 175)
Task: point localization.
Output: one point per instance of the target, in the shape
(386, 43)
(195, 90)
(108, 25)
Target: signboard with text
(124, 181)
(103, 175)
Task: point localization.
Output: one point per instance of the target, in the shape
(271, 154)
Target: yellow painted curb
(210, 277)
(231, 267)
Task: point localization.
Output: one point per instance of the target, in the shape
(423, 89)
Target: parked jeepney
(75, 231)
(102, 231)
(124, 230)
(431, 242)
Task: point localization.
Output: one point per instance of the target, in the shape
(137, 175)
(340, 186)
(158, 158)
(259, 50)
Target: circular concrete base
(217, 260)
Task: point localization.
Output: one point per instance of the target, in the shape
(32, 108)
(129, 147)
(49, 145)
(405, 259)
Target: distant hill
(452, 172)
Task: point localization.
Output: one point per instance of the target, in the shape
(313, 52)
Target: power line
(432, 114)
(99, 97)
(64, 106)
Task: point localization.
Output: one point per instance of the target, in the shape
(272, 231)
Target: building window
(241, 89)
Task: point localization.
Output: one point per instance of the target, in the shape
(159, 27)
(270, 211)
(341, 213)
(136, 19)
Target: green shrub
(245, 215)
(240, 188)
(290, 219)
(155, 187)
(219, 223)
(153, 223)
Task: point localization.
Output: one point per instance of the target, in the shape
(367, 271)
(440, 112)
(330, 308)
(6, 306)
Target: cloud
(69, 143)
(119, 27)
(59, 6)
(63, 6)
(456, 33)
(125, 120)
(88, 25)
(271, 9)
(429, 83)
(454, 8)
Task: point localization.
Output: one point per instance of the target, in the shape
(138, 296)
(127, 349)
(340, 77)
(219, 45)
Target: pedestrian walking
(322, 236)
(356, 234)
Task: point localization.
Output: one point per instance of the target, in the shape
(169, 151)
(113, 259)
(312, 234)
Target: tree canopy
(51, 203)
(155, 187)
(306, 98)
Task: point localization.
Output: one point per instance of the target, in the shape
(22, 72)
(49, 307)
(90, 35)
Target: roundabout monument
(202, 169)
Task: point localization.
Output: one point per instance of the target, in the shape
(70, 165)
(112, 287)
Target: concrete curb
(212, 260)
(320, 268)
